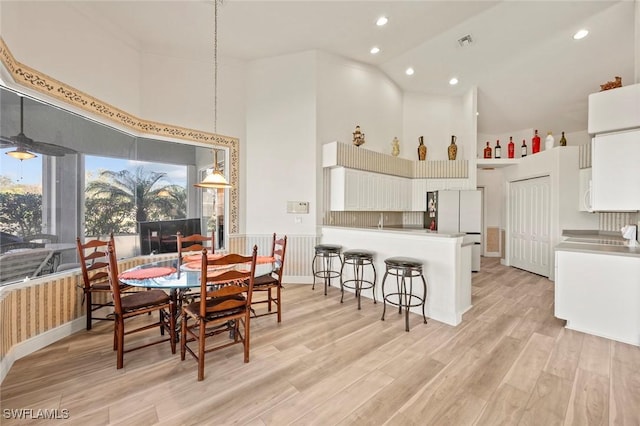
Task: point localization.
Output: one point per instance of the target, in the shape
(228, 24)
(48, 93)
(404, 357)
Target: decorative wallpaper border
(33, 79)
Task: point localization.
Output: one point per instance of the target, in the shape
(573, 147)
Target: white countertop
(596, 242)
(396, 230)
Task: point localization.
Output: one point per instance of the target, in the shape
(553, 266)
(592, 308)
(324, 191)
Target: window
(103, 180)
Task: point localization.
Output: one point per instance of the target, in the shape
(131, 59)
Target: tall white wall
(436, 118)
(349, 94)
(281, 143)
(180, 91)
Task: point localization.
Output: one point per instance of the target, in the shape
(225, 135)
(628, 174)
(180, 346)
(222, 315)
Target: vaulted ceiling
(529, 71)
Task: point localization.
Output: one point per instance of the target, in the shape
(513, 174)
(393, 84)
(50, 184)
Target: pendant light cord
(215, 66)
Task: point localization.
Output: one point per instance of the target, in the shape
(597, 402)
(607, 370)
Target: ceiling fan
(24, 144)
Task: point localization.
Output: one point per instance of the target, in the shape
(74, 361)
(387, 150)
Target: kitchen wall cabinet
(615, 109)
(357, 190)
(615, 174)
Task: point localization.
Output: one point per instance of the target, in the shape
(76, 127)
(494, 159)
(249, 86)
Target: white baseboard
(300, 279)
(27, 347)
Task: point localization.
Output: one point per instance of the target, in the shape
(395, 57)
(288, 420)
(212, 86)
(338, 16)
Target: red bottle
(487, 151)
(511, 148)
(535, 143)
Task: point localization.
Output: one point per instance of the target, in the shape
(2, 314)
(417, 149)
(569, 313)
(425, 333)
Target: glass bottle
(511, 148)
(523, 149)
(563, 140)
(498, 150)
(487, 151)
(535, 143)
(549, 141)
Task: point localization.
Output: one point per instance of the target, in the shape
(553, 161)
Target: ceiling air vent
(465, 41)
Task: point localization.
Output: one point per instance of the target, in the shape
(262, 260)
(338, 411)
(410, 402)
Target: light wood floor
(509, 362)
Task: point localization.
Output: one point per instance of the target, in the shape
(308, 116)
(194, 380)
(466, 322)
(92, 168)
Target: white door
(530, 225)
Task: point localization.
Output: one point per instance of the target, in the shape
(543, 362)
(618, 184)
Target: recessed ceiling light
(580, 34)
(374, 50)
(453, 81)
(382, 21)
(409, 71)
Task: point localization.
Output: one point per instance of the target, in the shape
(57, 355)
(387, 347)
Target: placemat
(146, 273)
(194, 257)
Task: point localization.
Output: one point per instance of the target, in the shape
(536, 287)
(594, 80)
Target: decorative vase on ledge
(422, 149)
(358, 137)
(452, 150)
(395, 147)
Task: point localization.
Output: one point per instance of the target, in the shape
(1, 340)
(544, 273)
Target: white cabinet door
(352, 190)
(530, 226)
(356, 190)
(419, 195)
(599, 294)
(615, 171)
(338, 185)
(369, 191)
(407, 197)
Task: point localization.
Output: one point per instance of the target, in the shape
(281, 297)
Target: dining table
(179, 277)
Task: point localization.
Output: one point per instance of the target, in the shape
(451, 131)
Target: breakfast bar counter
(446, 257)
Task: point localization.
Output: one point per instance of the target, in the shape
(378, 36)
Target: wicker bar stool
(404, 269)
(358, 259)
(325, 254)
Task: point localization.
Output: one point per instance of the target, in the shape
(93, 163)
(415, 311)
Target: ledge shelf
(336, 154)
(496, 163)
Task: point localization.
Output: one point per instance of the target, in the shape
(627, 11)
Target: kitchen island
(597, 286)
(446, 257)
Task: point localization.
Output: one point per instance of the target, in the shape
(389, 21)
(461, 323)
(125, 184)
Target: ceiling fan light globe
(21, 154)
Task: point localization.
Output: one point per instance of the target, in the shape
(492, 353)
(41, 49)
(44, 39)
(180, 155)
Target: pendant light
(215, 179)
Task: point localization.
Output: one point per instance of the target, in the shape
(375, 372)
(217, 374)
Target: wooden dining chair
(94, 259)
(272, 281)
(194, 243)
(135, 304)
(226, 286)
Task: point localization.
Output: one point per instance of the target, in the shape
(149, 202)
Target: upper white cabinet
(357, 190)
(615, 109)
(615, 182)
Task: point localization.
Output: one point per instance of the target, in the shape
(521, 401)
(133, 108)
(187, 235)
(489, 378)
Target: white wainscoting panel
(300, 251)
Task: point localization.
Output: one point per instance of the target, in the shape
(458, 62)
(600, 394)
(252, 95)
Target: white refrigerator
(457, 211)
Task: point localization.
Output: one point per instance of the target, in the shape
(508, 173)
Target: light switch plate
(298, 207)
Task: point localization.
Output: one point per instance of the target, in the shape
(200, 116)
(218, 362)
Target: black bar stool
(404, 268)
(326, 253)
(359, 259)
